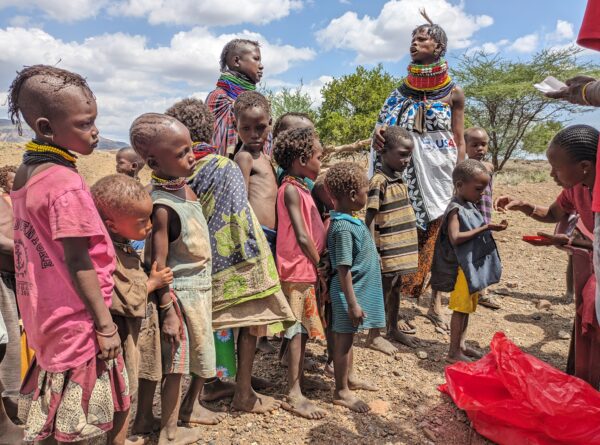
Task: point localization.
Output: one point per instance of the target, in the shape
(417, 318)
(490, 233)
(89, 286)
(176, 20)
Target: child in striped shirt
(392, 221)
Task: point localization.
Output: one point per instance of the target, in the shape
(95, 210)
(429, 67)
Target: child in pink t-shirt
(300, 242)
(76, 386)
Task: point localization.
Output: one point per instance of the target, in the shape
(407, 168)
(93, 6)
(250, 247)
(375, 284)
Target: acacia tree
(351, 104)
(290, 100)
(500, 97)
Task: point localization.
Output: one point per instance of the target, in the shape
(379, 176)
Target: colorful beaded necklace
(296, 180)
(39, 153)
(428, 77)
(171, 185)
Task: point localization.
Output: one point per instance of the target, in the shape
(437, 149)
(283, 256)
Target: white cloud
(60, 10)
(563, 31)
(313, 88)
(489, 47)
(20, 20)
(128, 75)
(387, 37)
(525, 44)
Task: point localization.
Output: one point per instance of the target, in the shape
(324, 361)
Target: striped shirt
(350, 244)
(395, 224)
(486, 205)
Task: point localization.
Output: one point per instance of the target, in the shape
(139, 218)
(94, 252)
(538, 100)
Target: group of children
(130, 281)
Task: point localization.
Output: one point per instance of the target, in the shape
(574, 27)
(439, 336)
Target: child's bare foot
(182, 436)
(258, 383)
(216, 390)
(355, 383)
(406, 327)
(328, 370)
(349, 400)
(438, 320)
(11, 433)
(382, 345)
(309, 365)
(264, 346)
(458, 357)
(255, 403)
(137, 439)
(472, 352)
(303, 407)
(144, 426)
(406, 340)
(199, 415)
(315, 384)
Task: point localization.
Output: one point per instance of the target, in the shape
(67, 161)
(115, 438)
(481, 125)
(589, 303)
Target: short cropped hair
(146, 128)
(196, 116)
(4, 171)
(278, 126)
(467, 170)
(134, 156)
(35, 92)
(469, 131)
(235, 46)
(294, 144)
(580, 141)
(396, 136)
(114, 194)
(250, 99)
(344, 177)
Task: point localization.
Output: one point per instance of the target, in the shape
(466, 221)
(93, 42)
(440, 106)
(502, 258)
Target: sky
(143, 55)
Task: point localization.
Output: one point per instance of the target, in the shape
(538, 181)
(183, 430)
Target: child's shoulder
(489, 166)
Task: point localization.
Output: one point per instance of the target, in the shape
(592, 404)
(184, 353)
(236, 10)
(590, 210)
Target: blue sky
(142, 55)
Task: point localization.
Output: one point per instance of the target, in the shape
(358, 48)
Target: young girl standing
(466, 259)
(356, 292)
(64, 260)
(300, 242)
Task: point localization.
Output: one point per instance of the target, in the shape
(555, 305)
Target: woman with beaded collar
(431, 107)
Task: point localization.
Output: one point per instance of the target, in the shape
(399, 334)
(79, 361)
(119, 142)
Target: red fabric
(514, 398)
(589, 34)
(578, 200)
(596, 193)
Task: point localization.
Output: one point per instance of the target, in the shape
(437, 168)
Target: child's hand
(171, 327)
(356, 315)
(498, 227)
(109, 346)
(159, 279)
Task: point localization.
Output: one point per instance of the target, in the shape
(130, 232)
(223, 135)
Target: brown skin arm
(158, 279)
(244, 161)
(291, 199)
(355, 312)
(85, 280)
(458, 121)
(7, 245)
(573, 91)
(6, 228)
(552, 214)
(370, 220)
(457, 237)
(161, 217)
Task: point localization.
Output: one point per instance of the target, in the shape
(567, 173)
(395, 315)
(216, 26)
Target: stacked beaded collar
(39, 153)
(427, 81)
(168, 184)
(300, 182)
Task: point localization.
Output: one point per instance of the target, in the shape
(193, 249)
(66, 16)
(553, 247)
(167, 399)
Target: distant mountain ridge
(9, 133)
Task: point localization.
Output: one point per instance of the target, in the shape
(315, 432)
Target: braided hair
(580, 141)
(436, 32)
(36, 92)
(146, 128)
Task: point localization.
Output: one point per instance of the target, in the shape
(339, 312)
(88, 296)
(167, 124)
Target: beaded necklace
(428, 77)
(39, 153)
(296, 180)
(171, 185)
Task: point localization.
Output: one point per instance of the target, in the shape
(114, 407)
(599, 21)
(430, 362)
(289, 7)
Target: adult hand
(560, 239)
(378, 137)
(356, 315)
(504, 203)
(109, 346)
(573, 91)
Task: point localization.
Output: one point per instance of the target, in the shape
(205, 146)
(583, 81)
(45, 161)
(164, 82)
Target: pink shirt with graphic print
(53, 205)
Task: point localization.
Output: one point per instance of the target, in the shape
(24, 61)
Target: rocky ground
(408, 408)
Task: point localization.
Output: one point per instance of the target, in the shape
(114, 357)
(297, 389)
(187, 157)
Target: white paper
(549, 85)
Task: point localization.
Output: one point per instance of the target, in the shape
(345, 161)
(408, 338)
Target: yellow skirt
(26, 355)
(460, 299)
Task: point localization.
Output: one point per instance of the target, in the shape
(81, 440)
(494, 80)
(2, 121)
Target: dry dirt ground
(408, 409)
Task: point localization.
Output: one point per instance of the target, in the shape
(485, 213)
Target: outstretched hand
(378, 137)
(504, 203)
(573, 91)
(559, 239)
(503, 225)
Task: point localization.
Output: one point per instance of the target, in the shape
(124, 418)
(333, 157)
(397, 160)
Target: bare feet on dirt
(183, 436)
(438, 320)
(459, 357)
(316, 384)
(382, 345)
(216, 390)
(406, 340)
(472, 352)
(200, 415)
(406, 327)
(143, 426)
(309, 364)
(303, 407)
(354, 383)
(349, 400)
(255, 403)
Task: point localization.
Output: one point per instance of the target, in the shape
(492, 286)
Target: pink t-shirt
(53, 205)
(292, 265)
(578, 199)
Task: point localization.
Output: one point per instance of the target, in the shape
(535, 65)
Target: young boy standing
(391, 219)
(477, 141)
(241, 70)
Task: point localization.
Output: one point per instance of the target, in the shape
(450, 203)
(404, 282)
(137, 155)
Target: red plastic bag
(513, 398)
